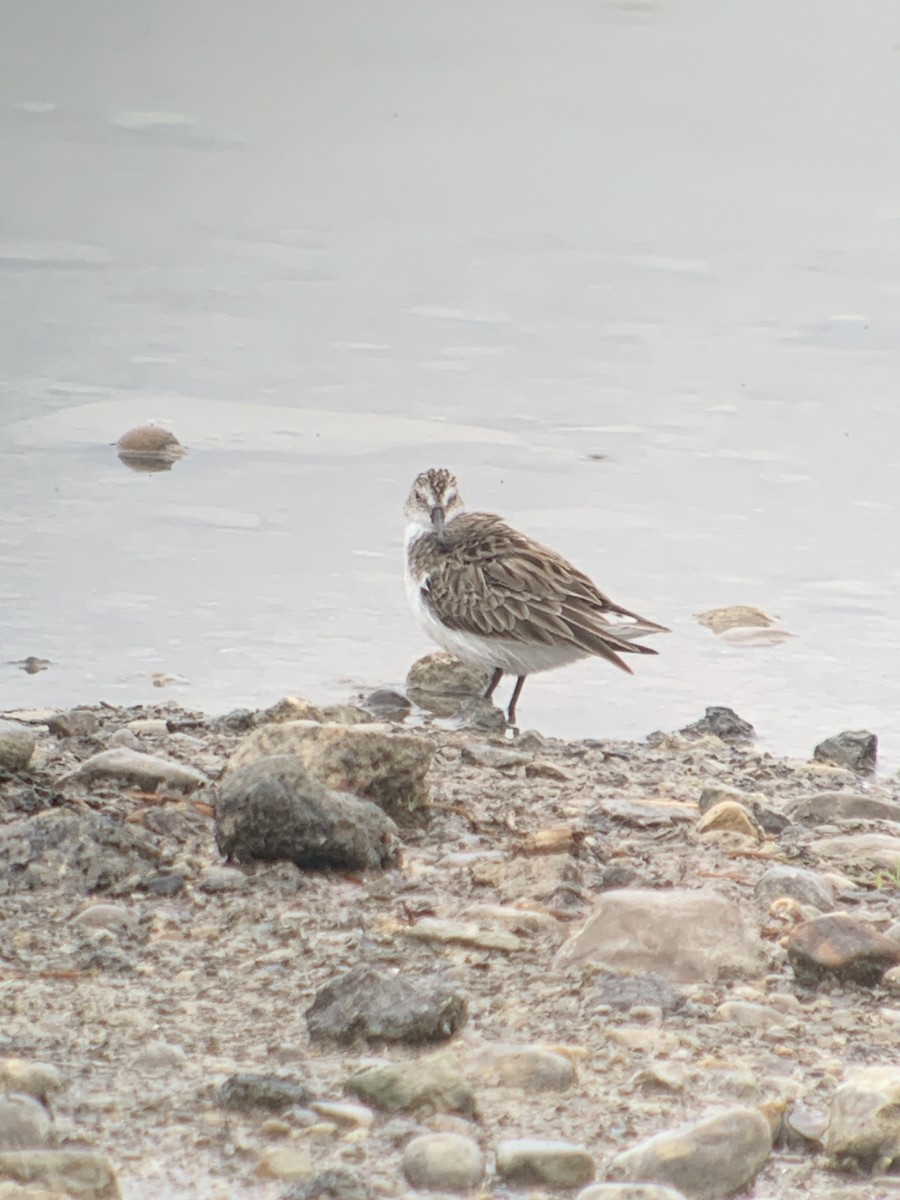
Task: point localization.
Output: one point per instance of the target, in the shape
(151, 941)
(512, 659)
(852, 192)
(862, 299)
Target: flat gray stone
(383, 1007)
(826, 807)
(860, 849)
(147, 771)
(77, 722)
(708, 1160)
(530, 1068)
(16, 746)
(443, 1162)
(246, 1092)
(273, 808)
(686, 935)
(541, 1162)
(806, 887)
(622, 992)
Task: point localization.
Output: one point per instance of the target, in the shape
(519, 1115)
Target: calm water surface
(631, 269)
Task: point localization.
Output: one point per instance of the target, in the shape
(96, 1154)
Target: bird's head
(433, 500)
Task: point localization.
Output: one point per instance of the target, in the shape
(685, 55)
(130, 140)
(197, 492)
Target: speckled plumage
(501, 601)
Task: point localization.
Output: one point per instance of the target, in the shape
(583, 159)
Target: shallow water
(630, 268)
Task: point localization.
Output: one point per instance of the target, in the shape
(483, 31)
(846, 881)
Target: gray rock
(16, 746)
(723, 723)
(378, 1006)
(273, 808)
(864, 1119)
(222, 879)
(374, 762)
(147, 771)
(336, 1183)
(85, 1174)
(644, 814)
(24, 1123)
(686, 935)
(629, 1191)
(855, 749)
(806, 887)
(434, 1080)
(246, 1092)
(860, 849)
(826, 807)
(443, 1162)
(751, 1016)
(708, 1160)
(841, 947)
(159, 1056)
(439, 682)
(77, 722)
(105, 916)
(530, 1068)
(124, 738)
(387, 703)
(622, 992)
(483, 754)
(149, 443)
(85, 847)
(530, 1162)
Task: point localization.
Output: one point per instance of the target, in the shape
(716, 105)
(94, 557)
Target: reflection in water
(575, 252)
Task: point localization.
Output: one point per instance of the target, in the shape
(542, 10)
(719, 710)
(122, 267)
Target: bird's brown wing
(487, 579)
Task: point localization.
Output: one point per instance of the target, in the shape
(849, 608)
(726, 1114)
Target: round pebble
(443, 1162)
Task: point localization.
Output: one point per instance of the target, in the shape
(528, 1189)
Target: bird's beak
(437, 520)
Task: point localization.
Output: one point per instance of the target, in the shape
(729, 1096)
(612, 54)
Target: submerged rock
(723, 723)
(273, 808)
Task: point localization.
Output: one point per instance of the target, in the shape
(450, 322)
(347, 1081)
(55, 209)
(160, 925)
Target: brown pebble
(843, 947)
(149, 441)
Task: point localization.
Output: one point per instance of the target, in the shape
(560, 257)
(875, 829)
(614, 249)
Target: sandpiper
(500, 601)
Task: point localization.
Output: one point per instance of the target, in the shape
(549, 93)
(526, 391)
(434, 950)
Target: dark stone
(165, 883)
(239, 720)
(724, 723)
(273, 808)
(387, 702)
(79, 722)
(856, 750)
(338, 1183)
(381, 1007)
(622, 992)
(272, 1092)
(61, 847)
(616, 876)
(841, 947)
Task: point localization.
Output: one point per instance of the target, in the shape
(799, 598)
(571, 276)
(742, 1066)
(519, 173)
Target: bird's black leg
(517, 691)
(495, 679)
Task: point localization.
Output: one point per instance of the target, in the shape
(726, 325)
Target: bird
(500, 601)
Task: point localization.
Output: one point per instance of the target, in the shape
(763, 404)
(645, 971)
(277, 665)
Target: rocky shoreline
(357, 952)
